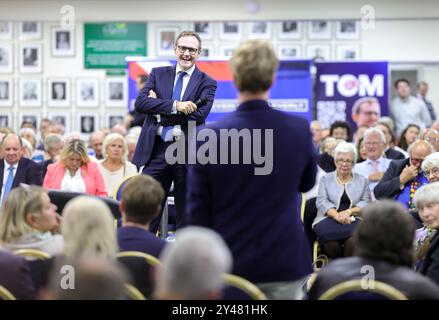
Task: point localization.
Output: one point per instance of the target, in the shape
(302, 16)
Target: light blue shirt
(365, 169)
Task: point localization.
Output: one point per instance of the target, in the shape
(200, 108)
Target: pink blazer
(94, 183)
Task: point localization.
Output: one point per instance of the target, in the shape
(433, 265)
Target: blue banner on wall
(339, 85)
(291, 92)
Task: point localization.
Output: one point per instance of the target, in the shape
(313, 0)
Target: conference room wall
(410, 43)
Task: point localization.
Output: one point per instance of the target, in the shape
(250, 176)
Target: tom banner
(340, 84)
(291, 92)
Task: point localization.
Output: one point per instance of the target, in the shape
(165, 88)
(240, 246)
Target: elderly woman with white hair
(341, 197)
(115, 166)
(426, 200)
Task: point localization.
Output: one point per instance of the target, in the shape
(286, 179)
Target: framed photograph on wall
(6, 58)
(290, 29)
(226, 51)
(30, 93)
(318, 51)
(63, 42)
(58, 94)
(231, 30)
(6, 93)
(319, 29)
(114, 118)
(116, 92)
(165, 40)
(6, 120)
(348, 29)
(259, 30)
(348, 52)
(31, 58)
(207, 51)
(6, 30)
(87, 123)
(61, 118)
(30, 30)
(204, 29)
(289, 51)
(87, 92)
(34, 118)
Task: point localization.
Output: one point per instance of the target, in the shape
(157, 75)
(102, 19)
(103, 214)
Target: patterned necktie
(168, 131)
(374, 165)
(8, 184)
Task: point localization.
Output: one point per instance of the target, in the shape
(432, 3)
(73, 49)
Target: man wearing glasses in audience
(171, 97)
(404, 177)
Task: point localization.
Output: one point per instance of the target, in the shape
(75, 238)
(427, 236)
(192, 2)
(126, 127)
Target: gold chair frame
(153, 261)
(5, 294)
(32, 253)
(240, 283)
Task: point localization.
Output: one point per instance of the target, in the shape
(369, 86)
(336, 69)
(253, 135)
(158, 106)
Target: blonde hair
(72, 147)
(253, 65)
(109, 139)
(20, 202)
(88, 229)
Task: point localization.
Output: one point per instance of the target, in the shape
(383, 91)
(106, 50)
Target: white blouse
(112, 179)
(73, 184)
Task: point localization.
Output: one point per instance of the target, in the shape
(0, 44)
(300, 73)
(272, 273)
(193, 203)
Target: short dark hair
(401, 80)
(386, 233)
(142, 196)
(340, 124)
(189, 33)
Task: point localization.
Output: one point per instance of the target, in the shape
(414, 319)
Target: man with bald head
(432, 136)
(15, 169)
(405, 176)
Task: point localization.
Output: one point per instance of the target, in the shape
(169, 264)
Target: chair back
(355, 290)
(118, 190)
(5, 294)
(150, 259)
(133, 293)
(32, 254)
(238, 288)
(60, 199)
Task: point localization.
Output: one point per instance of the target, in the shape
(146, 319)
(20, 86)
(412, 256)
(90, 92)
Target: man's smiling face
(187, 51)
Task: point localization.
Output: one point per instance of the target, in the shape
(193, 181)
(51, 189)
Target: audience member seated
(30, 221)
(361, 151)
(387, 128)
(408, 136)
(94, 279)
(15, 276)
(384, 242)
(30, 135)
(131, 140)
(14, 168)
(193, 265)
(53, 144)
(141, 201)
(75, 172)
(404, 177)
(340, 130)
(341, 197)
(325, 159)
(114, 166)
(316, 131)
(432, 136)
(375, 165)
(427, 201)
(96, 142)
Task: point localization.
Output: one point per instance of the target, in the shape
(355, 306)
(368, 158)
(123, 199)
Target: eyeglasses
(372, 143)
(432, 139)
(343, 161)
(434, 171)
(182, 49)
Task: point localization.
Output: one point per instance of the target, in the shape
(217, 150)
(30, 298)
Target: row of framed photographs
(85, 122)
(59, 92)
(293, 51)
(26, 30)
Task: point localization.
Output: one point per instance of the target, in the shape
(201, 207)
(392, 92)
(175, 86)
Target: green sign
(107, 44)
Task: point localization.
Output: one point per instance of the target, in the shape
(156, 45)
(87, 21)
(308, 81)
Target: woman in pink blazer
(75, 172)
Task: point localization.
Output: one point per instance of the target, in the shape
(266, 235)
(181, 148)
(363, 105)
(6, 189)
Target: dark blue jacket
(138, 239)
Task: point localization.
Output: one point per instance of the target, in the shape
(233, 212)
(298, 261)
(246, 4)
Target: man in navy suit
(168, 99)
(141, 201)
(255, 207)
(14, 169)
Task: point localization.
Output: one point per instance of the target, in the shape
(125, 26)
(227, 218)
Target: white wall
(409, 41)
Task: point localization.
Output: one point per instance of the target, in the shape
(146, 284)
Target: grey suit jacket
(330, 193)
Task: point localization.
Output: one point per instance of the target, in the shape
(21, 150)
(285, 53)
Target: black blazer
(28, 172)
(430, 264)
(388, 187)
(394, 154)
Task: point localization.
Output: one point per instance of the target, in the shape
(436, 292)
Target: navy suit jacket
(389, 186)
(28, 172)
(137, 239)
(430, 264)
(15, 276)
(394, 154)
(161, 80)
(258, 215)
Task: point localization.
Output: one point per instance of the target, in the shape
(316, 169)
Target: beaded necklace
(414, 185)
